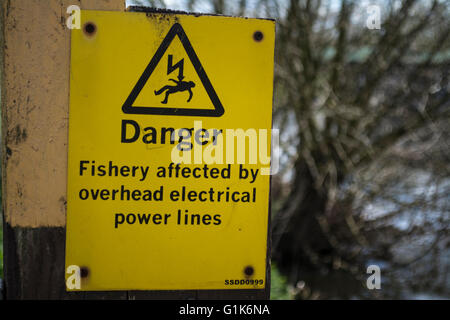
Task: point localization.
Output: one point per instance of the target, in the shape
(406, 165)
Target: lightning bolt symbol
(172, 67)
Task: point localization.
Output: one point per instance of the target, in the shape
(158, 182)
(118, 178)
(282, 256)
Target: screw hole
(84, 272)
(249, 271)
(258, 36)
(90, 28)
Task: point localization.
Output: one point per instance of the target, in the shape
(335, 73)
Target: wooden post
(35, 103)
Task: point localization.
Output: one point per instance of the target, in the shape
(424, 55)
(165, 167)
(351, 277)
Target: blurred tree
(368, 112)
(371, 106)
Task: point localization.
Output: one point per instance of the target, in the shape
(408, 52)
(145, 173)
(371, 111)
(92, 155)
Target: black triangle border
(175, 30)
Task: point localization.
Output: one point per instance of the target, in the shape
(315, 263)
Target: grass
(278, 287)
(1, 249)
(1, 238)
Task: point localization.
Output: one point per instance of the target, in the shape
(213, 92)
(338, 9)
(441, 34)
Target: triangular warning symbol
(176, 30)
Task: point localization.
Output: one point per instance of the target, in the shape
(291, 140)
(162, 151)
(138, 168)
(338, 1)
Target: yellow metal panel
(116, 73)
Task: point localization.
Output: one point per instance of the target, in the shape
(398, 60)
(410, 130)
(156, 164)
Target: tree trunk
(297, 233)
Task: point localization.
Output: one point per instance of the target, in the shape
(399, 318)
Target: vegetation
(279, 288)
(368, 111)
(1, 251)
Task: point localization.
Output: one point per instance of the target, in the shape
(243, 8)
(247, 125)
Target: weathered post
(35, 106)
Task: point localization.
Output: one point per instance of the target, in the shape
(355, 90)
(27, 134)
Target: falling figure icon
(179, 87)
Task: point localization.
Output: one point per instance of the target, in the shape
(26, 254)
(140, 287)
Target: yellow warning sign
(169, 152)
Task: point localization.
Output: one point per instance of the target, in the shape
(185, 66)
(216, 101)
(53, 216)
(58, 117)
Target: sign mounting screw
(249, 271)
(89, 28)
(258, 36)
(84, 272)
